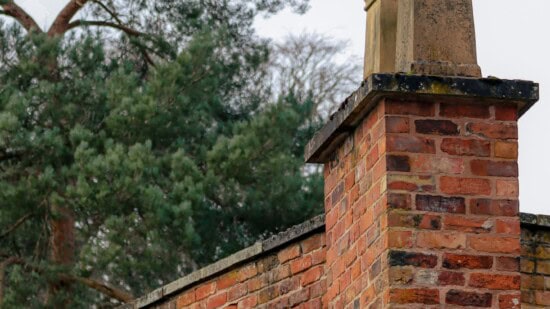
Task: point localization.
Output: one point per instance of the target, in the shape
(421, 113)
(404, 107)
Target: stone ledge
(423, 87)
(535, 220)
(293, 234)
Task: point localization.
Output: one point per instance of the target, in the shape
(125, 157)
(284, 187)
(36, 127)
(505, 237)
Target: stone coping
(293, 234)
(535, 220)
(424, 87)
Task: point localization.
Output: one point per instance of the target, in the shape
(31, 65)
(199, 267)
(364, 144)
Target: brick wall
(535, 261)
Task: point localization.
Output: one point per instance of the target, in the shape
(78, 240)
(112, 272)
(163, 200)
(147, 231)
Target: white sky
(512, 41)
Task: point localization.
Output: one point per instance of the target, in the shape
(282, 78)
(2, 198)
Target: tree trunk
(62, 246)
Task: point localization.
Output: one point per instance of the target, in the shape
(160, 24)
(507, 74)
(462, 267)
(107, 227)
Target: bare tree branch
(14, 226)
(80, 23)
(13, 10)
(109, 11)
(61, 22)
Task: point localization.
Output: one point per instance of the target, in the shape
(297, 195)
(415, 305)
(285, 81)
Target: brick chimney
(421, 174)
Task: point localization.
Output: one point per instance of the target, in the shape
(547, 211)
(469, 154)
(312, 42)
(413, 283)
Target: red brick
(506, 150)
(337, 194)
(312, 243)
(237, 292)
(185, 299)
(451, 278)
(205, 290)
(465, 186)
(289, 253)
(493, 130)
(507, 263)
(437, 240)
(312, 275)
(414, 296)
(495, 282)
(421, 221)
(409, 143)
(457, 261)
(511, 226)
(403, 258)
(288, 285)
(436, 127)
(507, 208)
(301, 264)
(506, 113)
(217, 301)
(412, 183)
(396, 163)
(410, 108)
(400, 239)
(249, 302)
(495, 244)
(465, 147)
(267, 294)
(399, 201)
(397, 125)
(257, 283)
(247, 272)
(436, 165)
(510, 301)
(494, 168)
(318, 257)
(227, 280)
(507, 188)
(298, 297)
(440, 204)
(462, 298)
(468, 224)
(462, 110)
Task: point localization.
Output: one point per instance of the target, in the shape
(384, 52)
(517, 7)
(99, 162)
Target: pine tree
(137, 143)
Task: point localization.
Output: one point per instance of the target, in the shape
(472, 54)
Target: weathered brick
(466, 147)
(248, 302)
(506, 263)
(399, 201)
(436, 165)
(237, 292)
(312, 243)
(421, 221)
(503, 131)
(414, 296)
(298, 297)
(494, 168)
(227, 280)
(400, 239)
(511, 226)
(409, 143)
(506, 150)
(506, 112)
(397, 125)
(205, 290)
(410, 108)
(438, 240)
(457, 261)
(440, 204)
(507, 188)
(301, 264)
(436, 127)
(465, 186)
(463, 298)
(395, 163)
(495, 244)
(312, 275)
(267, 294)
(495, 282)
(463, 110)
(510, 301)
(185, 299)
(217, 301)
(289, 253)
(403, 258)
(468, 224)
(412, 183)
(451, 278)
(507, 208)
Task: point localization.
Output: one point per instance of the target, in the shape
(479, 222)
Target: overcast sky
(512, 41)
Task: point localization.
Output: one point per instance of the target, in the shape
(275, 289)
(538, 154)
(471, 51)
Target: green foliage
(163, 170)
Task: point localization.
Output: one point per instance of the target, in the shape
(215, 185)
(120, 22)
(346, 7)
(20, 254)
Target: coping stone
(420, 87)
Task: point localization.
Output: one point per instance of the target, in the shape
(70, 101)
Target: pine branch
(61, 22)
(109, 11)
(14, 226)
(81, 23)
(23, 18)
